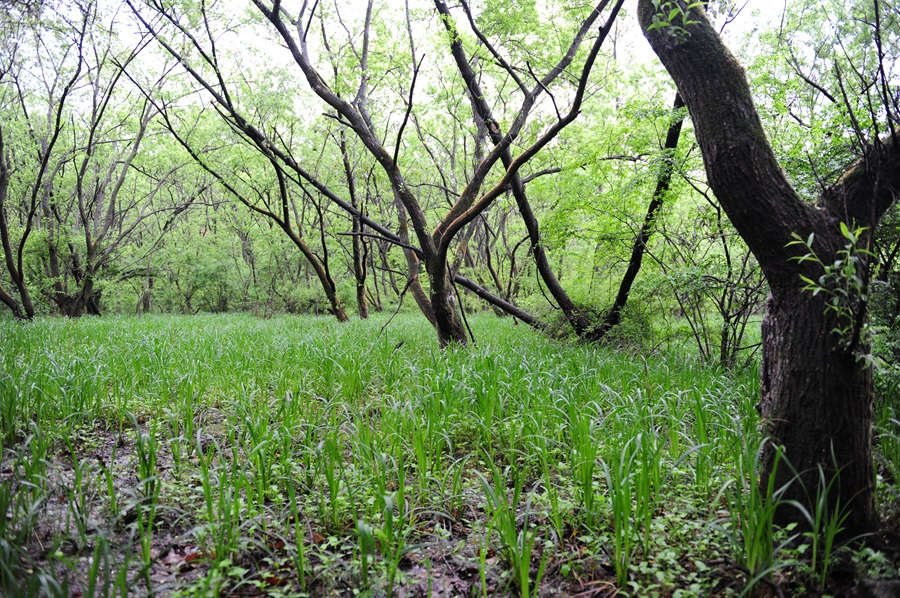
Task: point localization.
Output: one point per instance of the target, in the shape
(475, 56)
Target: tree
(350, 106)
(22, 201)
(817, 391)
(75, 190)
(489, 126)
(614, 315)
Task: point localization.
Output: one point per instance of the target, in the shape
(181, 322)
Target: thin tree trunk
(8, 255)
(358, 244)
(360, 252)
(412, 269)
(614, 315)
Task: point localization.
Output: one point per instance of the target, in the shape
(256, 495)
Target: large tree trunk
(86, 301)
(817, 395)
(817, 403)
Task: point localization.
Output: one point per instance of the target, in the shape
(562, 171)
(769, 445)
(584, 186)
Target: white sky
(752, 14)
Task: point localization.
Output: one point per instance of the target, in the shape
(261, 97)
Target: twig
(399, 305)
(459, 301)
(416, 250)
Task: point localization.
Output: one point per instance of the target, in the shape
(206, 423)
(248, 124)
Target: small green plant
(145, 445)
(583, 458)
(483, 547)
(451, 487)
(99, 580)
(110, 479)
(751, 509)
(620, 482)
(518, 546)
(366, 535)
(889, 445)
(299, 535)
(845, 284)
(81, 498)
(330, 463)
(221, 493)
(391, 540)
(670, 16)
(826, 522)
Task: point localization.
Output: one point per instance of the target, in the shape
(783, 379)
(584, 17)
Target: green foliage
(673, 18)
(328, 454)
(845, 285)
(500, 17)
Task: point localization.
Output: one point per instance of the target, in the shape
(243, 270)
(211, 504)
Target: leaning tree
(817, 388)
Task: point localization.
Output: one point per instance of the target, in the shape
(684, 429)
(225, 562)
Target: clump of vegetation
(230, 455)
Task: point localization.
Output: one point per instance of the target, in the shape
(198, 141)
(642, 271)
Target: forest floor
(235, 456)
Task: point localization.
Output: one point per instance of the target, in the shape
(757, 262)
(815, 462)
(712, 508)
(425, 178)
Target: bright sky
(752, 13)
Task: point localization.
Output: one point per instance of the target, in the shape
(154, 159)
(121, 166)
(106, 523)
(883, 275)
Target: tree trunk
(69, 306)
(359, 270)
(414, 284)
(8, 255)
(360, 250)
(614, 315)
(817, 401)
(817, 396)
(11, 303)
(143, 304)
(447, 319)
(87, 301)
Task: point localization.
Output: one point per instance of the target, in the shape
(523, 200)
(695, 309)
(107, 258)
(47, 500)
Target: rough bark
(817, 397)
(817, 403)
(448, 320)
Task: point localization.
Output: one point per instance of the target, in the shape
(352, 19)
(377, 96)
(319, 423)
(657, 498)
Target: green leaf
(808, 281)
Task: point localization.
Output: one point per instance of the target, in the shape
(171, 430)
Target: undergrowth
(228, 455)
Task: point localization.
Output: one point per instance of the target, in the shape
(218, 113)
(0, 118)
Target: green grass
(220, 455)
